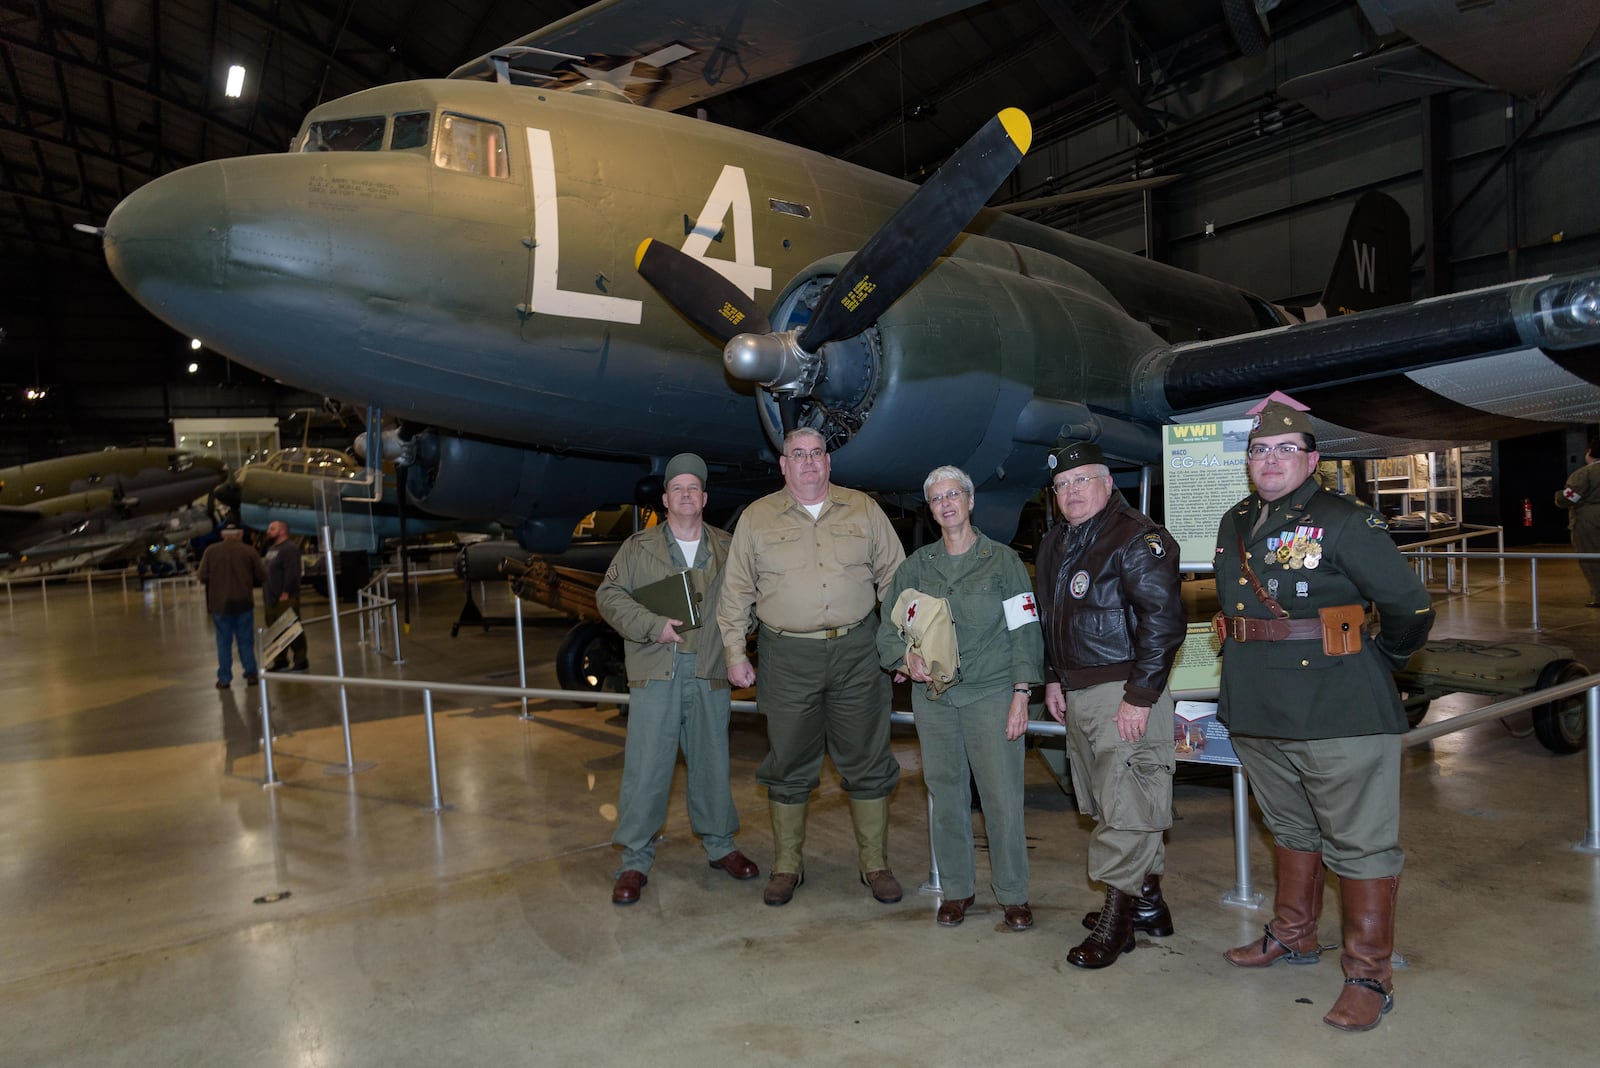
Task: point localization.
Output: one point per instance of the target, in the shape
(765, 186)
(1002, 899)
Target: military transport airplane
(96, 501)
(537, 278)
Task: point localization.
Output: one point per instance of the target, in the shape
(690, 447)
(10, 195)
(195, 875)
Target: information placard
(1205, 476)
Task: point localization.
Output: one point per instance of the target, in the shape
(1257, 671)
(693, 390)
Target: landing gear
(590, 658)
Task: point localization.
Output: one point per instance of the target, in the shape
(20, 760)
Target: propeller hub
(774, 360)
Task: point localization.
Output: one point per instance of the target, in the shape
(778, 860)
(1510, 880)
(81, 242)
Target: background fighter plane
(462, 254)
(60, 506)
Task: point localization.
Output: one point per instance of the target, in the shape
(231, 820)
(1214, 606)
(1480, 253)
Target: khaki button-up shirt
(804, 574)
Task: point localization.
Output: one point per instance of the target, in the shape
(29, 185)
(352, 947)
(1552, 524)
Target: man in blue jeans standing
(230, 570)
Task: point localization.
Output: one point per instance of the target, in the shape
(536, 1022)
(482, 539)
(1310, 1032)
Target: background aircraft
(461, 253)
(1526, 48)
(94, 503)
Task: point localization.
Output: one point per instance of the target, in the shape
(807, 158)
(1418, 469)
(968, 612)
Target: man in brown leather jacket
(1108, 591)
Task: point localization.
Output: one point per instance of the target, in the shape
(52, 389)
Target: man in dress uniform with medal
(1309, 697)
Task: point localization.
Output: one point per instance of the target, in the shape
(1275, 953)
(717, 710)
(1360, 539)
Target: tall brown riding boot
(1292, 934)
(1112, 935)
(1150, 912)
(1368, 921)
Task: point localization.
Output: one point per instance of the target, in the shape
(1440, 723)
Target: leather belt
(821, 635)
(1245, 629)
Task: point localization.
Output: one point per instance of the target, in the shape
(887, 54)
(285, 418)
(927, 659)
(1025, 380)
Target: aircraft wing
(670, 54)
(1487, 363)
(1376, 81)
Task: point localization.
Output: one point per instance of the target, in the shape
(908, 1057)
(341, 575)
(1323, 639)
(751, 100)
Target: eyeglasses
(1073, 481)
(802, 455)
(951, 495)
(1261, 452)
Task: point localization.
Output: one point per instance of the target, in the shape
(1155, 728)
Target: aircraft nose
(169, 235)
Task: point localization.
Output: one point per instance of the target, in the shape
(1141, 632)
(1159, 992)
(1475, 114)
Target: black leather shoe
(224, 685)
(952, 911)
(1112, 935)
(1150, 913)
(737, 865)
(626, 889)
(251, 680)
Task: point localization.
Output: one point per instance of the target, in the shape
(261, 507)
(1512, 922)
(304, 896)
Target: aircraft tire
(1245, 26)
(590, 658)
(1561, 726)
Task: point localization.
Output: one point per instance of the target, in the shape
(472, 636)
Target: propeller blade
(698, 292)
(906, 246)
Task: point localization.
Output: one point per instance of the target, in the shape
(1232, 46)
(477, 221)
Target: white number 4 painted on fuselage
(732, 191)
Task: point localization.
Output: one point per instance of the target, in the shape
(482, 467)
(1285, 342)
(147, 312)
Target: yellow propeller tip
(1018, 128)
(638, 255)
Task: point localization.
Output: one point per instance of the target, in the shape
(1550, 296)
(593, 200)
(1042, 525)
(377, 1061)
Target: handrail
(1533, 567)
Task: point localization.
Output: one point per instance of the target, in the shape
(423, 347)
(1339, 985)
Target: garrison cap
(685, 463)
(1074, 454)
(1276, 418)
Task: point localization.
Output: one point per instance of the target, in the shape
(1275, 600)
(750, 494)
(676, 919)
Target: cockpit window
(410, 130)
(345, 135)
(472, 146)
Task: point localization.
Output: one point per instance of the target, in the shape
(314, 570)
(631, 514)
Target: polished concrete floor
(160, 907)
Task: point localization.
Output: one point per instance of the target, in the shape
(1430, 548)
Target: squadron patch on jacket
(1080, 584)
(1377, 521)
(1157, 548)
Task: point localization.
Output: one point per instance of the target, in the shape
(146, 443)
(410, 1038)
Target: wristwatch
(1023, 690)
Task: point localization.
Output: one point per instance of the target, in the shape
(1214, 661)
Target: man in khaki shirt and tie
(812, 561)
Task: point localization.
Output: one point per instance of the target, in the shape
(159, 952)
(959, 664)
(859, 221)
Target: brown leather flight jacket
(1109, 599)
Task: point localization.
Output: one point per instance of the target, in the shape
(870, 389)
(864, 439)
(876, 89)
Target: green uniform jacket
(977, 584)
(1584, 510)
(1292, 689)
(650, 556)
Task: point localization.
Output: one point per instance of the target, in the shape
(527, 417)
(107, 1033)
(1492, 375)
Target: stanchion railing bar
(1242, 894)
(1533, 590)
(433, 753)
(1591, 837)
(932, 886)
(522, 656)
(349, 766)
(394, 622)
(271, 778)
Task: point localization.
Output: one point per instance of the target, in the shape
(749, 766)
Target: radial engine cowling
(541, 495)
(943, 375)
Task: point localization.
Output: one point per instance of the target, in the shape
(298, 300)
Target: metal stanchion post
(433, 754)
(361, 617)
(349, 767)
(1242, 894)
(522, 658)
(1533, 588)
(271, 779)
(932, 886)
(1591, 837)
(394, 621)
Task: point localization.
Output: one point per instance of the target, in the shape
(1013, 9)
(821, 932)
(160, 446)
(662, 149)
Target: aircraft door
(480, 188)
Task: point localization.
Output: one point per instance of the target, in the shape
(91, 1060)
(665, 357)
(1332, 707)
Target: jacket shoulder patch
(1158, 548)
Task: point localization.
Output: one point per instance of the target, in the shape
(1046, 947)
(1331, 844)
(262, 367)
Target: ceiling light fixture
(235, 87)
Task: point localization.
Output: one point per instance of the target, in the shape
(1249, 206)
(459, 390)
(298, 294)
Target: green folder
(677, 596)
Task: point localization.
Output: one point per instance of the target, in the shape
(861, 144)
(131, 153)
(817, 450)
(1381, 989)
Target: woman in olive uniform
(978, 722)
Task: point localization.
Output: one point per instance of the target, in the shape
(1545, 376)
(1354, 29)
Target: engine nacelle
(945, 374)
(540, 495)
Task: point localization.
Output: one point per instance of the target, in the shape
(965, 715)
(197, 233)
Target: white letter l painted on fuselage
(546, 298)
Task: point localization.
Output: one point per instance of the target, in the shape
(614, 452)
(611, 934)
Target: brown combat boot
(1368, 921)
(1292, 934)
(1112, 935)
(788, 839)
(1150, 912)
